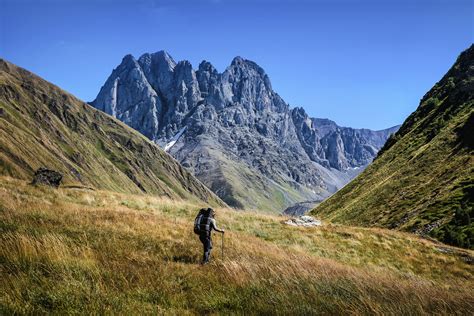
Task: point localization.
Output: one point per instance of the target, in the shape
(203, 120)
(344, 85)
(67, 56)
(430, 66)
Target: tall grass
(81, 252)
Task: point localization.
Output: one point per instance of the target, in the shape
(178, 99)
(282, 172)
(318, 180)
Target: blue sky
(360, 63)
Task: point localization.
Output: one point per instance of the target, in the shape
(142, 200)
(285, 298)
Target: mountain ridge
(423, 178)
(42, 125)
(234, 132)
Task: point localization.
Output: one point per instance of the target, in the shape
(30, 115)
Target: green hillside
(423, 179)
(43, 126)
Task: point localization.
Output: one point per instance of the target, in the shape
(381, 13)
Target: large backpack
(197, 221)
(202, 223)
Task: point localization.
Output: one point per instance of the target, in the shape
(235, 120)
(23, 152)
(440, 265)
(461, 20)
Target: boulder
(46, 176)
(305, 221)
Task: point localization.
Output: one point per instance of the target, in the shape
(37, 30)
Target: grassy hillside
(80, 251)
(245, 187)
(41, 125)
(423, 179)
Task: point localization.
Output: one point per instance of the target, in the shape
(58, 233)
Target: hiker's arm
(214, 226)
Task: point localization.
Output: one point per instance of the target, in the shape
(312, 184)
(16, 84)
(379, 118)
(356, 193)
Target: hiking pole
(222, 246)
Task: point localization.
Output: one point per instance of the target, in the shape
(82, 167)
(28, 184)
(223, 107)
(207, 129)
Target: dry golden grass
(81, 252)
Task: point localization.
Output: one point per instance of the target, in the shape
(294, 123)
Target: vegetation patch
(69, 251)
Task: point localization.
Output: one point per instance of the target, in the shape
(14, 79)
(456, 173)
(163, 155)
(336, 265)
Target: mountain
(42, 125)
(423, 178)
(234, 132)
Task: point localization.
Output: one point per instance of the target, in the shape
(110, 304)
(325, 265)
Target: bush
(460, 230)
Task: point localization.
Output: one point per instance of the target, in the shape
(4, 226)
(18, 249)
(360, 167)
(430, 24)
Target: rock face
(234, 132)
(300, 208)
(47, 177)
(338, 147)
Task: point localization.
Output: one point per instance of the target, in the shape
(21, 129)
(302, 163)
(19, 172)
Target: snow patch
(113, 100)
(174, 139)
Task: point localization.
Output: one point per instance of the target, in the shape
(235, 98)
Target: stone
(304, 221)
(48, 177)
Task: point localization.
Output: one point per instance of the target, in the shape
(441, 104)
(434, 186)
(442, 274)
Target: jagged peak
(184, 64)
(184, 68)
(241, 63)
(237, 61)
(206, 66)
(163, 54)
(128, 58)
(128, 62)
(160, 57)
(299, 110)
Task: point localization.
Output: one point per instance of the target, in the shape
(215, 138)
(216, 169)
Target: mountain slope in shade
(234, 132)
(41, 125)
(423, 178)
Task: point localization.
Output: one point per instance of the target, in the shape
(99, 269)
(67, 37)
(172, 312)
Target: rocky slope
(423, 179)
(301, 208)
(234, 132)
(43, 126)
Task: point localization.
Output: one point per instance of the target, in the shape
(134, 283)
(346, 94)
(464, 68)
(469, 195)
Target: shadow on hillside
(184, 259)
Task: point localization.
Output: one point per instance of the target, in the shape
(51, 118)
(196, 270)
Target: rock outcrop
(304, 221)
(300, 208)
(234, 132)
(45, 176)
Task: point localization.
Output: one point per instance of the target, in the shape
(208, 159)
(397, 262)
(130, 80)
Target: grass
(424, 174)
(247, 188)
(71, 251)
(44, 126)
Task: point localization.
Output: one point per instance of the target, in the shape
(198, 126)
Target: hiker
(203, 225)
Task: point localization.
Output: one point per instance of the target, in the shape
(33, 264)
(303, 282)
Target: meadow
(80, 251)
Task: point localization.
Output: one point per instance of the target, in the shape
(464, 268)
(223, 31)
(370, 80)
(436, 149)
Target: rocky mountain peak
(185, 68)
(246, 68)
(128, 59)
(206, 66)
(237, 61)
(160, 59)
(234, 132)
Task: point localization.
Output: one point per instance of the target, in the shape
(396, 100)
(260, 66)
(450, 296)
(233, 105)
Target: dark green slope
(41, 125)
(422, 179)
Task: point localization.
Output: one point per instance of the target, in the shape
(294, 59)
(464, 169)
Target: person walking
(204, 224)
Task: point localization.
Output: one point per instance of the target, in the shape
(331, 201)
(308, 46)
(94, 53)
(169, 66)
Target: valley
(98, 200)
(68, 250)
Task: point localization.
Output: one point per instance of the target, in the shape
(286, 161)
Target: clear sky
(360, 63)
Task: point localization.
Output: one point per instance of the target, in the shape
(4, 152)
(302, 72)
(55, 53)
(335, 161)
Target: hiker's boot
(205, 258)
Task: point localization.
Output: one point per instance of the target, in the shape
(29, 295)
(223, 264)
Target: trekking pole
(222, 244)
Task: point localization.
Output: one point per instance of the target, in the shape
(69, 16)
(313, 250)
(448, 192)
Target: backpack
(197, 223)
(202, 223)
